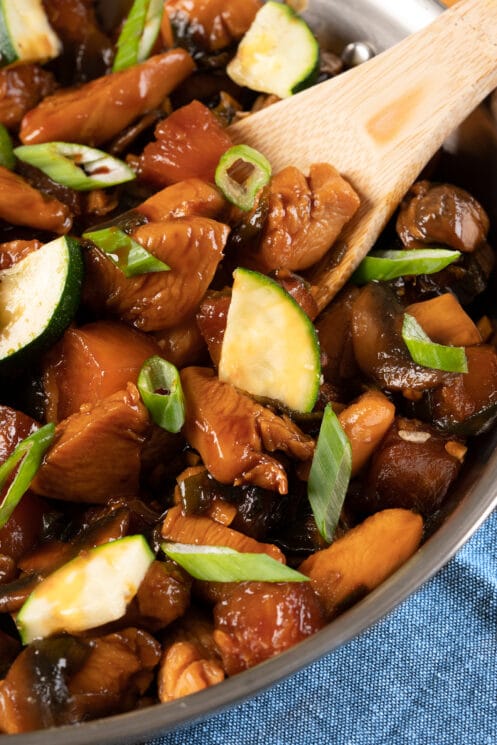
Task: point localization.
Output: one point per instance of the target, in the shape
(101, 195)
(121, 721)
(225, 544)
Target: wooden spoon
(380, 123)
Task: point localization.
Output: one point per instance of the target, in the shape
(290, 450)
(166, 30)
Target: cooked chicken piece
(117, 672)
(205, 531)
(188, 145)
(163, 595)
(189, 198)
(96, 452)
(258, 620)
(211, 320)
(361, 559)
(64, 680)
(97, 111)
(13, 251)
(90, 363)
(230, 431)
(299, 289)
(212, 24)
(306, 216)
(190, 660)
(184, 670)
(365, 422)
(21, 89)
(445, 321)
(182, 345)
(20, 204)
(192, 248)
(441, 213)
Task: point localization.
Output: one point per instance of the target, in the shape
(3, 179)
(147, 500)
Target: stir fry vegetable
(198, 471)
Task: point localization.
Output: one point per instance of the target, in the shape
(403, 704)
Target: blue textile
(425, 675)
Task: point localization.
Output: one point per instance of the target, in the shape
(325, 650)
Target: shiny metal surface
(381, 22)
(357, 52)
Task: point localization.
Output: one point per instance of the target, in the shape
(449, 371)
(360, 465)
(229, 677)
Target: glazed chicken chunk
(232, 433)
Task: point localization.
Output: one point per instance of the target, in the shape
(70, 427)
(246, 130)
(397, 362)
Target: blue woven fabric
(425, 675)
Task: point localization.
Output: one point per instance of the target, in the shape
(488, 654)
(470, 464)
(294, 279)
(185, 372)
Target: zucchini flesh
(279, 53)
(25, 33)
(92, 589)
(270, 346)
(39, 297)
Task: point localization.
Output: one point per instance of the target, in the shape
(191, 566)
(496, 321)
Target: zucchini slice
(92, 589)
(279, 53)
(25, 33)
(38, 299)
(270, 346)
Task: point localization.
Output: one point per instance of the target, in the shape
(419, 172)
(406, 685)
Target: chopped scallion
(26, 458)
(128, 255)
(330, 474)
(160, 388)
(241, 173)
(138, 34)
(7, 159)
(385, 265)
(223, 564)
(429, 354)
(77, 166)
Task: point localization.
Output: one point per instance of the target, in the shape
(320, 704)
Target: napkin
(424, 675)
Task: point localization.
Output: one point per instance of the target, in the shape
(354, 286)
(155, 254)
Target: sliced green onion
(77, 166)
(7, 159)
(330, 474)
(385, 265)
(138, 34)
(241, 173)
(28, 454)
(429, 354)
(160, 388)
(223, 564)
(128, 255)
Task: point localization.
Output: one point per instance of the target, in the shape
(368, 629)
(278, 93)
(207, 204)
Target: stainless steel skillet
(380, 22)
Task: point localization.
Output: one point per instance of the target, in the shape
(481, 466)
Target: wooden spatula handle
(380, 123)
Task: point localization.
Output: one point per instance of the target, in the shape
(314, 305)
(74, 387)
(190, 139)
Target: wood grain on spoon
(380, 123)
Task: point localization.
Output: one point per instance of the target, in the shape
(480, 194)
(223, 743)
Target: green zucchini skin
(62, 314)
(309, 80)
(8, 54)
(70, 298)
(279, 54)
